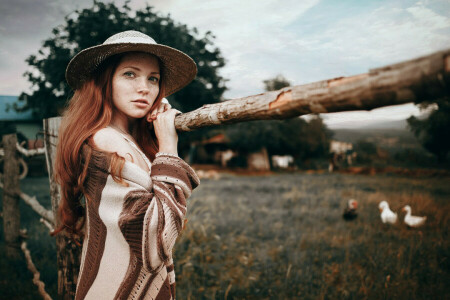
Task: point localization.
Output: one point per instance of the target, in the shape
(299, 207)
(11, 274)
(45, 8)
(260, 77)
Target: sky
(305, 41)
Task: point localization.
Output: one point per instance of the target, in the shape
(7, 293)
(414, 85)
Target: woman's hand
(165, 131)
(163, 106)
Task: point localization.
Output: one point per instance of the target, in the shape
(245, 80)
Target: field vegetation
(283, 237)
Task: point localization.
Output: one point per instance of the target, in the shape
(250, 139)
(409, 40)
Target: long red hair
(89, 110)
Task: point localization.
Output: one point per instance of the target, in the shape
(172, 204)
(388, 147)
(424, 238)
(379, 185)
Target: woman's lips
(141, 103)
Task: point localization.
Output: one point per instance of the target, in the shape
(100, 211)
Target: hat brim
(178, 68)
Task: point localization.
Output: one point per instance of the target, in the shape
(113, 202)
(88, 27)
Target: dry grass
(282, 237)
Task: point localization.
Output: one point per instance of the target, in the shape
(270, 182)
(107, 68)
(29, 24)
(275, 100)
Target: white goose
(387, 215)
(413, 221)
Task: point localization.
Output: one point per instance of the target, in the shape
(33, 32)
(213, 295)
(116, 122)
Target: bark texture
(68, 253)
(11, 212)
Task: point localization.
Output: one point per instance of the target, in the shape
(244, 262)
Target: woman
(118, 148)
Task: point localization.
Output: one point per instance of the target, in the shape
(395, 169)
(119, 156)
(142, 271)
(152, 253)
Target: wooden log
(11, 212)
(68, 254)
(420, 79)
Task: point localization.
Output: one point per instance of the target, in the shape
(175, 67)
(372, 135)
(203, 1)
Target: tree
(295, 137)
(434, 131)
(276, 83)
(93, 26)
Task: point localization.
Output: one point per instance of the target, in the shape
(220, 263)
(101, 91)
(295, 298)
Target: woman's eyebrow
(137, 69)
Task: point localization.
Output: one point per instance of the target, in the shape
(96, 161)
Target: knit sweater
(131, 230)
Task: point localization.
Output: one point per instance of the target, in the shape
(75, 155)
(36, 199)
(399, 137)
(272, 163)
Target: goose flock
(386, 214)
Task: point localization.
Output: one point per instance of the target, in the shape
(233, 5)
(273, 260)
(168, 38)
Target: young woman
(123, 186)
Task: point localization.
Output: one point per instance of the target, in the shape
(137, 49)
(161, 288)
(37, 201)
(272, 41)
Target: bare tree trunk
(68, 254)
(11, 212)
(421, 79)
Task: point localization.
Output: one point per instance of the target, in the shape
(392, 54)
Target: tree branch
(32, 152)
(36, 206)
(36, 274)
(47, 224)
(415, 80)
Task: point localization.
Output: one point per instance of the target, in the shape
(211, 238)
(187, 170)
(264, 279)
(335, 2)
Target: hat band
(133, 39)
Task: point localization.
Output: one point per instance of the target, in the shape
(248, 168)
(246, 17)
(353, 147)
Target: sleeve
(173, 181)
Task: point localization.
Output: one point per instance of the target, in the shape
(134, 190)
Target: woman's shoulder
(109, 140)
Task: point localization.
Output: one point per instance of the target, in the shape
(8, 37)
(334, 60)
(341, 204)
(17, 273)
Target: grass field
(283, 237)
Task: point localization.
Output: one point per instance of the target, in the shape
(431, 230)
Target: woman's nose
(143, 87)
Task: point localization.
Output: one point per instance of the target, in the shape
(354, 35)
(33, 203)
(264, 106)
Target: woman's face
(135, 85)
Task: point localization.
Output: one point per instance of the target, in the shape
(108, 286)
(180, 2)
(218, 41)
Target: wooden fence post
(11, 212)
(68, 253)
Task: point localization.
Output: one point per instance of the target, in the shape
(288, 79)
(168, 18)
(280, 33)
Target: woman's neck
(123, 124)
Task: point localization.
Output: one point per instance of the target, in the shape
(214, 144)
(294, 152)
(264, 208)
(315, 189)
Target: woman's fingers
(163, 106)
(165, 131)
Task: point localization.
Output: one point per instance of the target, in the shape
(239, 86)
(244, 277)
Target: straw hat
(178, 68)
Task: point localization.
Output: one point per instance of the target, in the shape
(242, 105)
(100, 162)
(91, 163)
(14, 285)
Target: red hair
(89, 110)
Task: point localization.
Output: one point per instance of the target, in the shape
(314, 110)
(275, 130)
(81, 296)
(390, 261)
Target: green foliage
(295, 137)
(367, 151)
(434, 132)
(276, 83)
(92, 26)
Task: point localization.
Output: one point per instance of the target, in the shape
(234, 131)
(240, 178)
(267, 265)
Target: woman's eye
(129, 74)
(154, 79)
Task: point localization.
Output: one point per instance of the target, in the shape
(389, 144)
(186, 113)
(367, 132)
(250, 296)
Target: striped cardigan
(130, 231)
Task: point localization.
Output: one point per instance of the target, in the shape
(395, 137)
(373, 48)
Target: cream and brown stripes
(148, 221)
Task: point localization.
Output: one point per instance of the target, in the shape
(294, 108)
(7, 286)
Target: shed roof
(8, 113)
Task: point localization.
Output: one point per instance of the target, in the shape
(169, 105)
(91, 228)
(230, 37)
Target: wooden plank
(11, 212)
(68, 254)
(420, 79)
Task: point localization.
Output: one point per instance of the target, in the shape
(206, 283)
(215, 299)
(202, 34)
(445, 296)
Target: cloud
(384, 35)
(250, 35)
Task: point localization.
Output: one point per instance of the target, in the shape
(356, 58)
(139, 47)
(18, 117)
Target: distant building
(24, 122)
